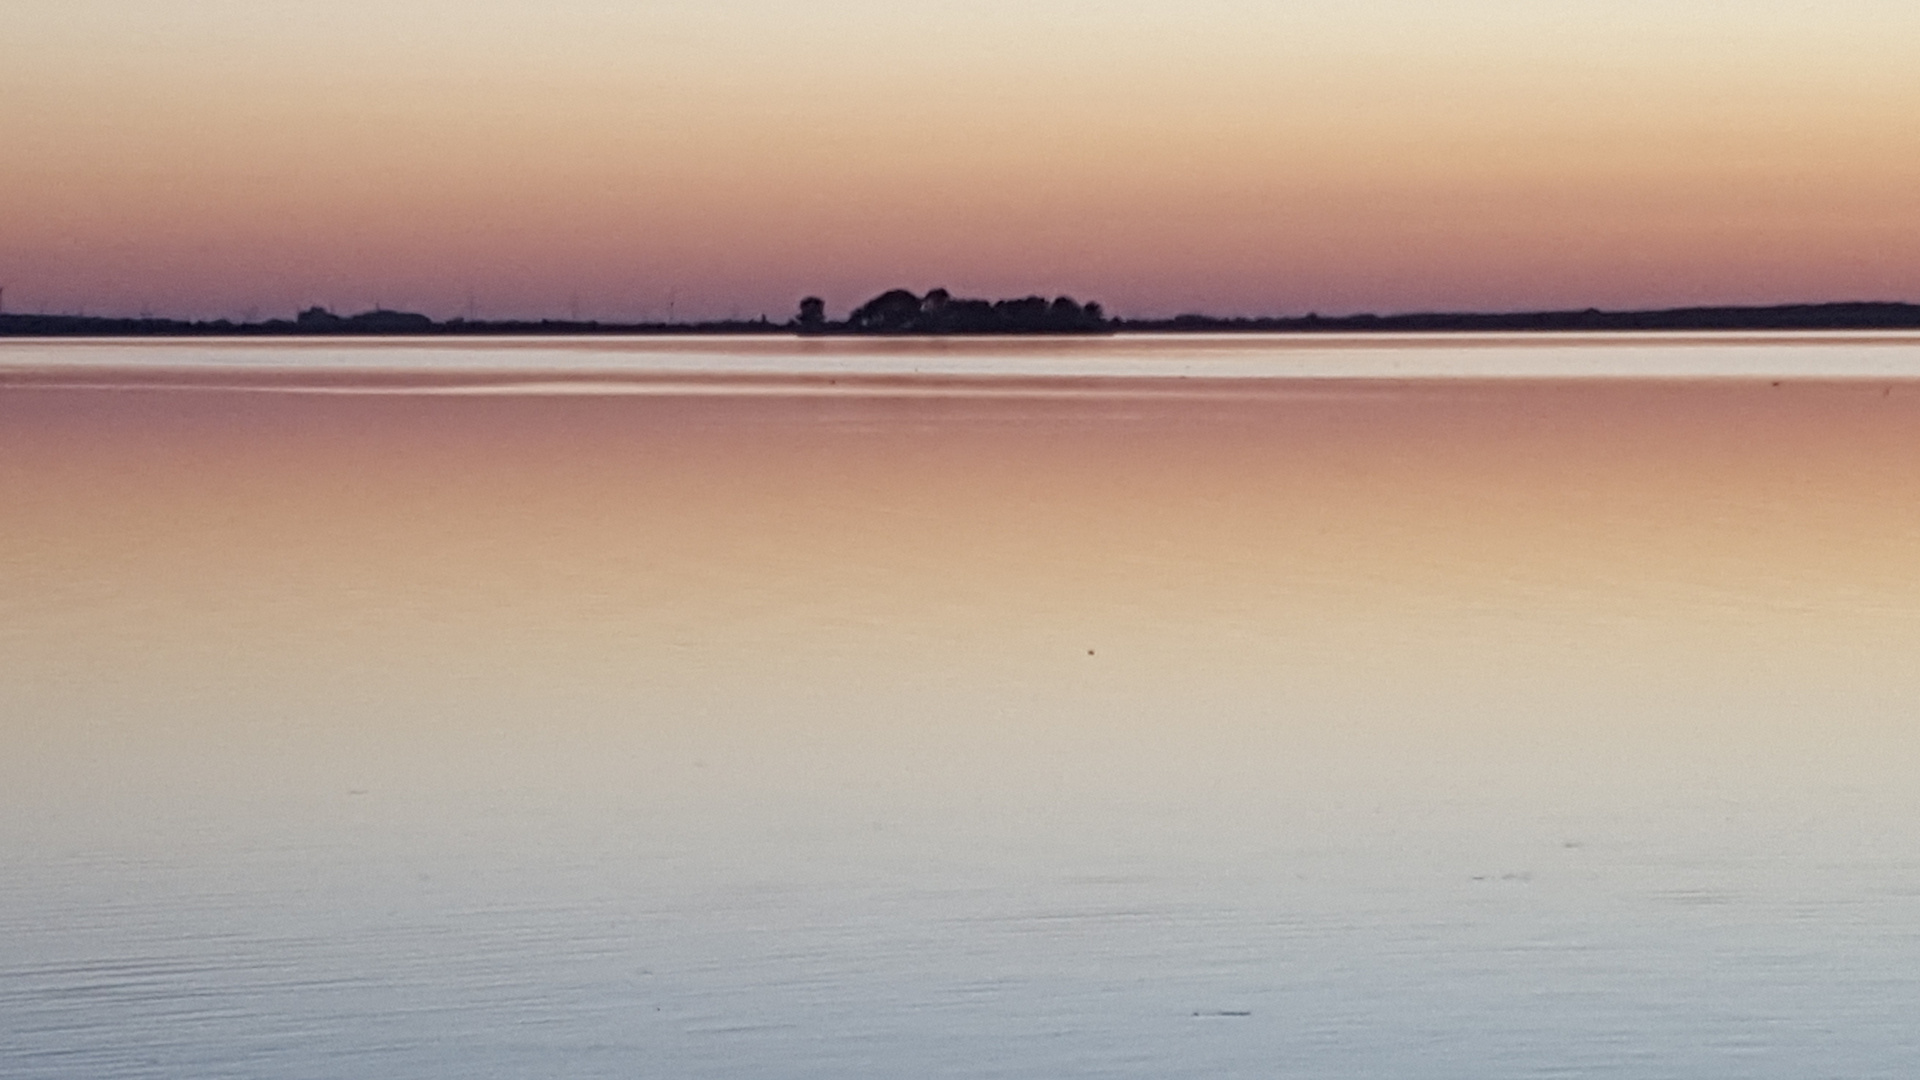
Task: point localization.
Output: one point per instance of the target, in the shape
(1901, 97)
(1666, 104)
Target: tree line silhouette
(900, 311)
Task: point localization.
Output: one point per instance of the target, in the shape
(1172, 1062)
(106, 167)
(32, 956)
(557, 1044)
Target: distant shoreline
(1831, 316)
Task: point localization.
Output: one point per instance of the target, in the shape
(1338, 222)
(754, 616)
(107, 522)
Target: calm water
(1188, 708)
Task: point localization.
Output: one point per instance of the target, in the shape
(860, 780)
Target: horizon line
(382, 321)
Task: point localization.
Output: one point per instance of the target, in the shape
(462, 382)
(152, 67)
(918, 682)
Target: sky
(726, 157)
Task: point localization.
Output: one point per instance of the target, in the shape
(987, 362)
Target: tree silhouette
(894, 311)
(813, 314)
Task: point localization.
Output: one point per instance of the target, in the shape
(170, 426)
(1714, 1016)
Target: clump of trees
(318, 320)
(899, 311)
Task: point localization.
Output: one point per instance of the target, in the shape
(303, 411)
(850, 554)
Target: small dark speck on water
(357, 791)
(1225, 1012)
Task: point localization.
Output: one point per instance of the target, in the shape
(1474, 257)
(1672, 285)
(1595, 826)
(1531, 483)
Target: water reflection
(1395, 728)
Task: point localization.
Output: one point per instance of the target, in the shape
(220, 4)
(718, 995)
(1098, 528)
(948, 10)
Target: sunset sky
(725, 157)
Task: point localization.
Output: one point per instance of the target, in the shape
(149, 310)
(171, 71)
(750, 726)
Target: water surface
(1430, 708)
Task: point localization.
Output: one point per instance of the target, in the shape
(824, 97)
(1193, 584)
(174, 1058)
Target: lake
(1429, 707)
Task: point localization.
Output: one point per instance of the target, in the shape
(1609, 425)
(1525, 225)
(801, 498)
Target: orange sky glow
(227, 158)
